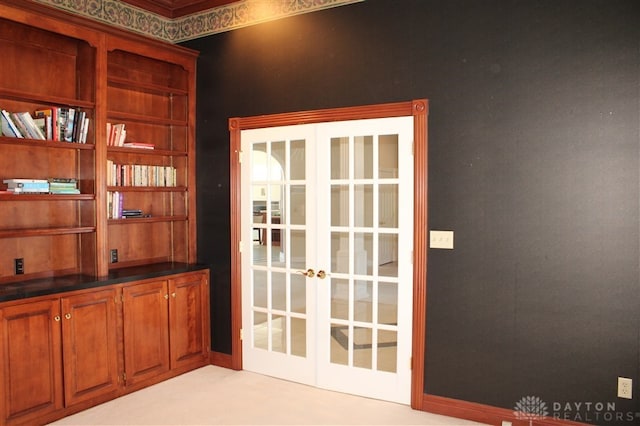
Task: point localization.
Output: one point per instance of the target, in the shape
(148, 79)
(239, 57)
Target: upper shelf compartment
(144, 89)
(45, 66)
(147, 73)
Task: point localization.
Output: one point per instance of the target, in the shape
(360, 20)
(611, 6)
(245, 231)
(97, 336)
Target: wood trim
(420, 202)
(220, 359)
(398, 109)
(484, 413)
(419, 110)
(81, 27)
(236, 266)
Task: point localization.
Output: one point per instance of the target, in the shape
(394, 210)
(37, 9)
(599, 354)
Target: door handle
(309, 273)
(322, 274)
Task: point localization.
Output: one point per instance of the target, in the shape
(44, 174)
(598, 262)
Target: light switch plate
(441, 239)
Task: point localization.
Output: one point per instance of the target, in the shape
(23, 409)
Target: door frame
(419, 109)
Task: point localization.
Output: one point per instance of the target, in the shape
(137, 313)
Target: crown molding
(213, 21)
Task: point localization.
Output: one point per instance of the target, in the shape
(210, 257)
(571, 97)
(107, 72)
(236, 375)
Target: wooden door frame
(419, 109)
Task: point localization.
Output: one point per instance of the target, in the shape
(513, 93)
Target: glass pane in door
(364, 238)
(278, 201)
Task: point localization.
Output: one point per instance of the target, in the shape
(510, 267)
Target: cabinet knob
(56, 318)
(166, 296)
(173, 294)
(67, 316)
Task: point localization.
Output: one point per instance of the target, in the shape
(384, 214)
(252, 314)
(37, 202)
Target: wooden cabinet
(59, 355)
(146, 331)
(51, 60)
(90, 349)
(165, 326)
(64, 353)
(31, 361)
(57, 352)
(188, 319)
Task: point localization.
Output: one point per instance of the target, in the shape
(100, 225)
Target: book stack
(63, 186)
(20, 125)
(27, 186)
(141, 145)
(114, 205)
(116, 134)
(55, 124)
(132, 213)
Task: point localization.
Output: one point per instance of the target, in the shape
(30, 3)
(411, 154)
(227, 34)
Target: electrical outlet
(114, 255)
(625, 387)
(19, 265)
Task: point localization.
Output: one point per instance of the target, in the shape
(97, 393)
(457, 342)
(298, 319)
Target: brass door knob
(322, 274)
(310, 273)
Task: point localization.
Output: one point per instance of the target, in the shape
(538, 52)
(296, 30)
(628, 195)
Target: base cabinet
(31, 364)
(90, 345)
(57, 353)
(165, 326)
(188, 314)
(62, 354)
(146, 331)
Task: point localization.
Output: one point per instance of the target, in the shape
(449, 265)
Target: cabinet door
(89, 333)
(146, 331)
(31, 361)
(187, 319)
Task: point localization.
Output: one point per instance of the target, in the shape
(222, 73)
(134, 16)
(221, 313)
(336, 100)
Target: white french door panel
(278, 310)
(327, 255)
(361, 350)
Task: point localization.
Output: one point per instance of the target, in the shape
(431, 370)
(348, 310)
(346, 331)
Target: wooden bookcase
(54, 59)
(71, 331)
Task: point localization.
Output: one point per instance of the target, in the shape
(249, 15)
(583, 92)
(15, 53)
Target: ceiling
(177, 8)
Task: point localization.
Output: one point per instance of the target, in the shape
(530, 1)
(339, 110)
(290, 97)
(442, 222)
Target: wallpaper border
(236, 15)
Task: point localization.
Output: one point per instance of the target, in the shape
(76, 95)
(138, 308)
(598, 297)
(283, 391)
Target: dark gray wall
(533, 161)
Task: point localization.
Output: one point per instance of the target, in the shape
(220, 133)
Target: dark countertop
(62, 284)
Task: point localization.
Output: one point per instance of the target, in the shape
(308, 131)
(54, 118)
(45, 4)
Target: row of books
(115, 209)
(114, 205)
(42, 186)
(140, 175)
(55, 124)
(117, 136)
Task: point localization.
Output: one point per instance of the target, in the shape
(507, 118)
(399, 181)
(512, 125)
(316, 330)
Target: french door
(327, 244)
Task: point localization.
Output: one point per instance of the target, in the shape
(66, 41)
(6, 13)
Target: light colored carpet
(219, 396)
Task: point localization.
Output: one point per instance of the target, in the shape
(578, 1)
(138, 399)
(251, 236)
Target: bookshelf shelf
(46, 143)
(149, 189)
(148, 152)
(146, 87)
(43, 232)
(9, 94)
(140, 118)
(180, 218)
(46, 197)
